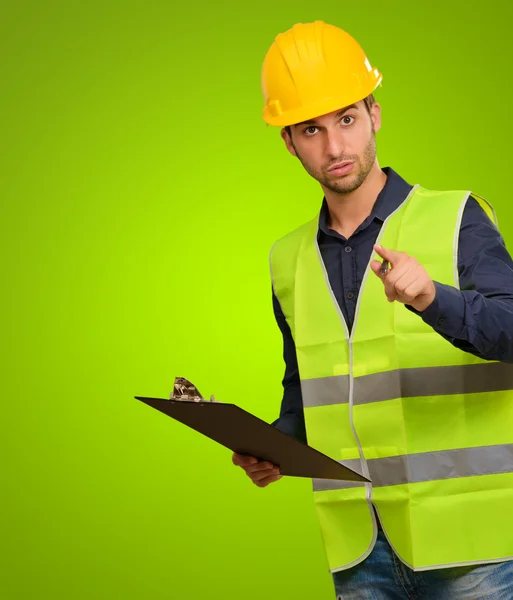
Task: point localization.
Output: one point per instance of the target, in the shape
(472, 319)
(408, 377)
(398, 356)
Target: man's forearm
(473, 322)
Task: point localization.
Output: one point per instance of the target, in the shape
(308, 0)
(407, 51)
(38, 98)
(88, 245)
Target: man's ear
(288, 141)
(376, 116)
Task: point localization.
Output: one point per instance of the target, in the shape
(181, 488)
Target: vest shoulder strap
(487, 207)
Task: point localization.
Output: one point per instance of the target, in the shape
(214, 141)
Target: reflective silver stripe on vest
(428, 466)
(407, 383)
(325, 390)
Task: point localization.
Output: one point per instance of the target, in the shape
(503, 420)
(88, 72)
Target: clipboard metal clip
(186, 391)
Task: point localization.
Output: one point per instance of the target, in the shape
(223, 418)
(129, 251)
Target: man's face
(341, 136)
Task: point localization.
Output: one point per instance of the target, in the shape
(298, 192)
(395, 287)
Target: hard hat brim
(323, 107)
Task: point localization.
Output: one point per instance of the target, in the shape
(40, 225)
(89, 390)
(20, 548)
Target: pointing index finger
(391, 256)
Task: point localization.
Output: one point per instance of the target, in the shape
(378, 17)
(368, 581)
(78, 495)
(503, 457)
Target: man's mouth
(340, 165)
(341, 169)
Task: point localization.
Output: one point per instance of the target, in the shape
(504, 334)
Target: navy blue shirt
(477, 318)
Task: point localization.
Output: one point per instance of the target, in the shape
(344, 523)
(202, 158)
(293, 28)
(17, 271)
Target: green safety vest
(430, 425)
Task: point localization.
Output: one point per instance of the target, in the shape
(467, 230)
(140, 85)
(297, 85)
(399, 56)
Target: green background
(141, 193)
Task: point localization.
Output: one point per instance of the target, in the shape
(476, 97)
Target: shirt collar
(394, 192)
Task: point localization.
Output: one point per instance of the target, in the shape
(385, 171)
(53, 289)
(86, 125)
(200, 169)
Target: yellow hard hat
(311, 70)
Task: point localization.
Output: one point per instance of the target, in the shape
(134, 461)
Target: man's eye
(309, 131)
(345, 119)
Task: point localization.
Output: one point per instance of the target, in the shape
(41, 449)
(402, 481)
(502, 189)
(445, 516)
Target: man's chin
(343, 184)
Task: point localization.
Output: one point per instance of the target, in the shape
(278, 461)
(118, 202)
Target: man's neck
(348, 211)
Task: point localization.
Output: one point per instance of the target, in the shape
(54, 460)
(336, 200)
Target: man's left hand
(407, 281)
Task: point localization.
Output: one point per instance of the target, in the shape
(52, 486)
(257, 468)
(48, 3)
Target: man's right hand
(261, 473)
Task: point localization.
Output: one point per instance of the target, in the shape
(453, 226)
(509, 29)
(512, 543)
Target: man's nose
(335, 144)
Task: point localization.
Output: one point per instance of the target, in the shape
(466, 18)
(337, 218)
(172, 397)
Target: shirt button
(350, 295)
(440, 322)
(348, 249)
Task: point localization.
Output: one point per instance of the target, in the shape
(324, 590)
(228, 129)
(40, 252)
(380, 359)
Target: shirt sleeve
(477, 318)
(291, 419)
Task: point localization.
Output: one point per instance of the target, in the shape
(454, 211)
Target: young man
(396, 309)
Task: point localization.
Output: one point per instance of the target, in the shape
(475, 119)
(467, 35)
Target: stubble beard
(351, 182)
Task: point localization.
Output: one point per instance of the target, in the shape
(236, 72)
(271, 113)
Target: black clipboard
(244, 433)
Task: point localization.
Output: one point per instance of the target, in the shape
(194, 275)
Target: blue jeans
(382, 576)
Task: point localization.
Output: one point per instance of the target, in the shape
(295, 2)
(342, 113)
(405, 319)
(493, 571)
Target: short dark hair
(369, 101)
